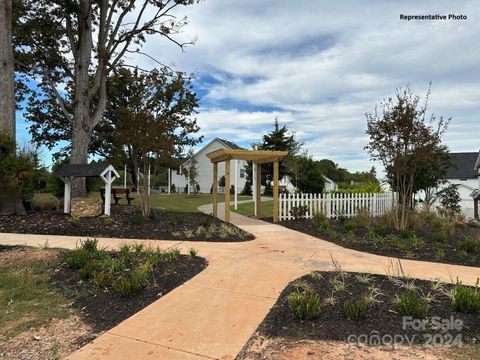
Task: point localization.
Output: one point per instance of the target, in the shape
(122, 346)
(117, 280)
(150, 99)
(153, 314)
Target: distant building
(205, 168)
(464, 172)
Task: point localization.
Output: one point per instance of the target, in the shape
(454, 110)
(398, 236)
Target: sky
(319, 66)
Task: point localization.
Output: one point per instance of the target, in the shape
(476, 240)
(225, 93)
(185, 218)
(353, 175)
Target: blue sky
(320, 65)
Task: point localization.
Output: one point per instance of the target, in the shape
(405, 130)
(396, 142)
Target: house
(330, 185)
(205, 168)
(464, 172)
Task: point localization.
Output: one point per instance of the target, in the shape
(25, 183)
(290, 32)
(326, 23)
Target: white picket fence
(334, 204)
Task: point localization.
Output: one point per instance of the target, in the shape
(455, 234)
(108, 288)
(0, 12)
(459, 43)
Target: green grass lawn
(27, 299)
(247, 209)
(175, 202)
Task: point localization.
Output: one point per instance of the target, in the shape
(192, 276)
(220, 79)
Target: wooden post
(475, 209)
(258, 189)
(275, 191)
(215, 188)
(125, 177)
(235, 184)
(227, 191)
(254, 187)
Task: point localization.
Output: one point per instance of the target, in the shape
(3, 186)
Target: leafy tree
(404, 141)
(310, 177)
(75, 45)
(190, 171)
(450, 201)
(167, 95)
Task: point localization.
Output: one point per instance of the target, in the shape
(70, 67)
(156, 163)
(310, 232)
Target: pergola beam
(258, 157)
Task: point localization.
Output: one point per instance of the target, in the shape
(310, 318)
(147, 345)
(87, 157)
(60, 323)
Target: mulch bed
(103, 308)
(452, 255)
(126, 222)
(383, 317)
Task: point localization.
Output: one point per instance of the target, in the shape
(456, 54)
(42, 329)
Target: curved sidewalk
(214, 314)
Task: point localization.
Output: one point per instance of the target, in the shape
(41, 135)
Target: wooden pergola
(258, 157)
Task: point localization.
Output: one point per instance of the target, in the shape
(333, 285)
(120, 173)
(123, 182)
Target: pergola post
(254, 187)
(67, 194)
(258, 189)
(227, 190)
(215, 189)
(475, 209)
(235, 182)
(275, 191)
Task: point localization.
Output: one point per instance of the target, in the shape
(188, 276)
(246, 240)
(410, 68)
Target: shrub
(299, 212)
(439, 238)
(90, 245)
(450, 201)
(106, 220)
(470, 245)
(78, 258)
(350, 226)
(356, 309)
(102, 278)
(406, 233)
(131, 283)
(363, 218)
(137, 219)
(466, 299)
(192, 253)
(88, 270)
(304, 304)
(319, 219)
(410, 304)
(74, 220)
(45, 202)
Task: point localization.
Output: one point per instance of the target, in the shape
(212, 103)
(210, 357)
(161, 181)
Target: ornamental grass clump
(356, 309)
(466, 299)
(410, 304)
(304, 304)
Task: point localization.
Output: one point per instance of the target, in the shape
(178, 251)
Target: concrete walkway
(214, 314)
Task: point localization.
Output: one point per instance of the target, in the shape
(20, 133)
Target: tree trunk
(7, 72)
(82, 122)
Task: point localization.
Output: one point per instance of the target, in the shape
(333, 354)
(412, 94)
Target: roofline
(211, 141)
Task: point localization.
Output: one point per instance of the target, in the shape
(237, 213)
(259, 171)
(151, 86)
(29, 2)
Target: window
(242, 173)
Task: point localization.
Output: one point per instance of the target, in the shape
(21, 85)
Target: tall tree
(280, 139)
(92, 39)
(7, 72)
(404, 140)
(166, 95)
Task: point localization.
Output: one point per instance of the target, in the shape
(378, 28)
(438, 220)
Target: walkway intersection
(214, 314)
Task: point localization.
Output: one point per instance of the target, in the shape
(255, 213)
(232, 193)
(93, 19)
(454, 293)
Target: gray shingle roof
(463, 165)
(82, 170)
(230, 144)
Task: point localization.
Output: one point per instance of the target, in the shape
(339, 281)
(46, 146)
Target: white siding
(205, 170)
(465, 188)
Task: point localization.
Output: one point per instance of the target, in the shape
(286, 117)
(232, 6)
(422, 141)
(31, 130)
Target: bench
(117, 194)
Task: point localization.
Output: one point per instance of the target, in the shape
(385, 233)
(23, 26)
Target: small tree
(310, 176)
(404, 141)
(450, 201)
(191, 172)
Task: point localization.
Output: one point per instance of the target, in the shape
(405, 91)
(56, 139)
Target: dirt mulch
(261, 348)
(103, 308)
(127, 223)
(452, 254)
(383, 317)
(94, 310)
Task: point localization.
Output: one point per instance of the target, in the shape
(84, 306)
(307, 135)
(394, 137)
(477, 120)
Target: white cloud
(321, 65)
